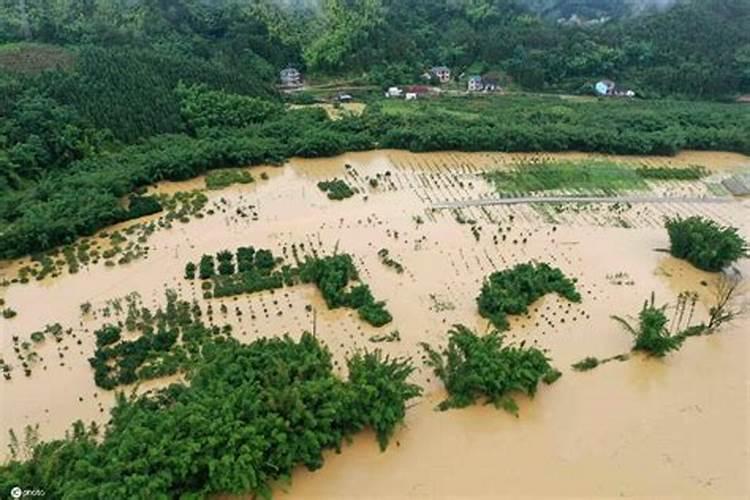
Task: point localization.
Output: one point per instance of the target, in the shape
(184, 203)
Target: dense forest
(251, 414)
(99, 98)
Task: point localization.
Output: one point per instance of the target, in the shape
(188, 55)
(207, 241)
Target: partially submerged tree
(474, 366)
(704, 243)
(652, 335)
(725, 307)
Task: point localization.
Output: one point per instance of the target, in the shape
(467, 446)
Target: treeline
(85, 195)
(250, 416)
(553, 124)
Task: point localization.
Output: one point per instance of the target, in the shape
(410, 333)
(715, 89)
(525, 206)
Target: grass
(691, 173)
(585, 176)
(221, 178)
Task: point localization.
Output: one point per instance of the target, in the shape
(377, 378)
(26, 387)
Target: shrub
(474, 367)
(704, 243)
(652, 335)
(511, 291)
(586, 364)
(206, 267)
(190, 271)
(336, 189)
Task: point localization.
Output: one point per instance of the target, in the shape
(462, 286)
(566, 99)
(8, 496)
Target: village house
(490, 83)
(342, 97)
(608, 88)
(485, 83)
(290, 77)
(394, 92)
(604, 87)
(416, 91)
(442, 73)
(475, 84)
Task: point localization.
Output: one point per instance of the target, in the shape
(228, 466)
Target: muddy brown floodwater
(677, 427)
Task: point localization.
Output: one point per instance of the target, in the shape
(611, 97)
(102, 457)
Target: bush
(206, 267)
(474, 367)
(336, 189)
(190, 271)
(221, 178)
(704, 243)
(652, 335)
(511, 291)
(586, 364)
(226, 266)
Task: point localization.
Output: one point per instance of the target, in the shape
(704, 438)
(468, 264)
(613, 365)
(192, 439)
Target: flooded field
(675, 427)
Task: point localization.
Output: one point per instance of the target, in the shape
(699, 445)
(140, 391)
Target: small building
(490, 83)
(475, 84)
(418, 90)
(605, 88)
(290, 77)
(343, 97)
(411, 96)
(442, 73)
(394, 92)
(744, 98)
(608, 88)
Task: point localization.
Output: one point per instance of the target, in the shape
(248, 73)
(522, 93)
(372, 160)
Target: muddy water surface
(678, 427)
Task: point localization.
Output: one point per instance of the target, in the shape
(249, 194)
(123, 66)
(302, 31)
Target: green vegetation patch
(169, 340)
(704, 243)
(221, 178)
(473, 367)
(336, 189)
(691, 173)
(511, 291)
(588, 176)
(652, 334)
(250, 271)
(251, 415)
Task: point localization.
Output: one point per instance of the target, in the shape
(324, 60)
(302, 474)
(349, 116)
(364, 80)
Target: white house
(442, 73)
(290, 77)
(605, 87)
(475, 84)
(394, 92)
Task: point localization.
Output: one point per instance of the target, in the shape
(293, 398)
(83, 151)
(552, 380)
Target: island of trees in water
(251, 270)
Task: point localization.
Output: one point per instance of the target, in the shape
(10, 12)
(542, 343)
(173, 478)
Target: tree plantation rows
(249, 271)
(170, 340)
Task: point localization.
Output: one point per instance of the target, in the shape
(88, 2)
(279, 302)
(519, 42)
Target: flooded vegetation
(145, 323)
